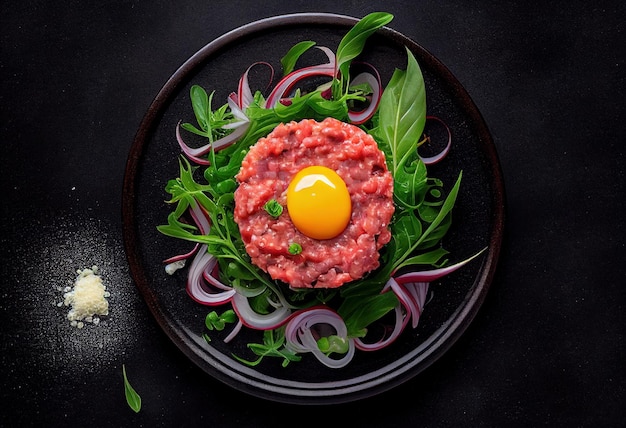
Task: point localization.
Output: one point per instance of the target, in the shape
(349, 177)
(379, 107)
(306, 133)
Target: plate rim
(462, 316)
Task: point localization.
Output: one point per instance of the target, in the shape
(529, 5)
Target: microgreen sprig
(273, 346)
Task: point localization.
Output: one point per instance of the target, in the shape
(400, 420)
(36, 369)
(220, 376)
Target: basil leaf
(200, 104)
(403, 114)
(361, 311)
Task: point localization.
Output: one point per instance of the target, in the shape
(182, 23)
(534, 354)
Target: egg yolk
(318, 202)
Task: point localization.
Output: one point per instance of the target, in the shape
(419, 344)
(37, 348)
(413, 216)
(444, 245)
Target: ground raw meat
(266, 173)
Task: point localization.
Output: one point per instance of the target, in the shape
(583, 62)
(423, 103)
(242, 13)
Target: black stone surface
(547, 348)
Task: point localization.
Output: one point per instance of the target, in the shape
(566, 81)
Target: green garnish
(422, 214)
(273, 346)
(132, 398)
(209, 121)
(273, 208)
(213, 321)
(333, 343)
(291, 57)
(295, 248)
(352, 45)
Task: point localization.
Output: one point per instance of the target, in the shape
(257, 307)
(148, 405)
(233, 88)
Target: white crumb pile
(87, 298)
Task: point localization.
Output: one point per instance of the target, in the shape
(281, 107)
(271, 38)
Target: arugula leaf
(411, 184)
(352, 44)
(430, 258)
(291, 57)
(223, 240)
(201, 106)
(403, 115)
(433, 231)
(132, 398)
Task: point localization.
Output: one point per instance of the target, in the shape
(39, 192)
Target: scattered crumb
(174, 266)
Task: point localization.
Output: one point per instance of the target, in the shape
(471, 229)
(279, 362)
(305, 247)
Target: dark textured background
(547, 347)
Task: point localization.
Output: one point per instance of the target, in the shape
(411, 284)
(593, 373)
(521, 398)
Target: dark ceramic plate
(478, 216)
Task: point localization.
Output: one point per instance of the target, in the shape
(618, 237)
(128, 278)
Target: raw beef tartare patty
(265, 174)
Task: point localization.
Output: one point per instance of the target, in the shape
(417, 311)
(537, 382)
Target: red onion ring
(375, 83)
(300, 337)
(287, 82)
(436, 158)
(257, 321)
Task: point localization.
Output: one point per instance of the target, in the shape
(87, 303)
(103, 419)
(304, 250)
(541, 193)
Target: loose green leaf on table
(132, 398)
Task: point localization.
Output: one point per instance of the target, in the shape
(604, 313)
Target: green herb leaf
(201, 106)
(431, 258)
(213, 321)
(352, 44)
(359, 311)
(273, 208)
(403, 115)
(434, 229)
(273, 346)
(132, 398)
(291, 57)
(209, 121)
(295, 248)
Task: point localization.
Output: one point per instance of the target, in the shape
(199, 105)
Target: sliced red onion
(374, 81)
(244, 93)
(399, 326)
(288, 82)
(436, 158)
(431, 275)
(412, 297)
(181, 257)
(195, 281)
(419, 292)
(194, 154)
(300, 337)
(252, 319)
(200, 218)
(237, 111)
(210, 275)
(233, 332)
(411, 305)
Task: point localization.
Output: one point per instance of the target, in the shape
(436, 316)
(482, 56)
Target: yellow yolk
(318, 202)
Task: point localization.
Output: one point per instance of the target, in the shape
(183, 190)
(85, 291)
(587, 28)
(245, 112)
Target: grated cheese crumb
(174, 266)
(87, 298)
